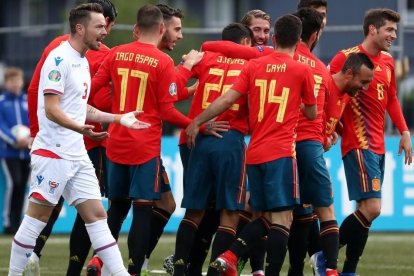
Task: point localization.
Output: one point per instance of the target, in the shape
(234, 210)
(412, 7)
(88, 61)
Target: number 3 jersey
(276, 85)
(364, 116)
(65, 73)
(142, 77)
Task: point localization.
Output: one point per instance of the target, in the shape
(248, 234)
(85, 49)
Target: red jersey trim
(46, 153)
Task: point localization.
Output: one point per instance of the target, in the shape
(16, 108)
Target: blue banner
(397, 190)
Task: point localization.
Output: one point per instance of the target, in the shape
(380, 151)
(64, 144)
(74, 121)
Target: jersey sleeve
(337, 63)
(234, 50)
(394, 107)
(54, 75)
(308, 91)
(182, 76)
(167, 87)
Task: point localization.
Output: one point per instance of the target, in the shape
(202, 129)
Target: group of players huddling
(291, 104)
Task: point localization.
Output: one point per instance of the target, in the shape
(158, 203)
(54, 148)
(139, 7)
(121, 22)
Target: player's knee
(372, 209)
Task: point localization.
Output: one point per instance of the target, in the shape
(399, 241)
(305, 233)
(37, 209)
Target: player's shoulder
(387, 57)
(351, 50)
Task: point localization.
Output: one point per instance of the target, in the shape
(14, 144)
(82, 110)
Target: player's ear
(162, 28)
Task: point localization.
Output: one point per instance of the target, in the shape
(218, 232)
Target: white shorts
(73, 179)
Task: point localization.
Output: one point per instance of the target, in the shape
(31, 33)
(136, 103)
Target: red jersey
(364, 116)
(142, 78)
(276, 85)
(216, 74)
(234, 50)
(307, 129)
(94, 58)
(335, 105)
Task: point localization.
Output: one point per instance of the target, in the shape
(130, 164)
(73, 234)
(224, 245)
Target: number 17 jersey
(142, 78)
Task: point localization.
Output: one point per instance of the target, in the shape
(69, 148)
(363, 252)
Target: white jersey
(65, 73)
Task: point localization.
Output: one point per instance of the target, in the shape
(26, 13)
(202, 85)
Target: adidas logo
(74, 259)
(43, 237)
(179, 262)
(28, 255)
(130, 262)
(378, 68)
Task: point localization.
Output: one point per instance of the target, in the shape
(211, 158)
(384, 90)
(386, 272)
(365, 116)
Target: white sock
(23, 244)
(106, 247)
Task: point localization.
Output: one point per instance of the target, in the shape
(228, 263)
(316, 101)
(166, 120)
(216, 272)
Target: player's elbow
(310, 112)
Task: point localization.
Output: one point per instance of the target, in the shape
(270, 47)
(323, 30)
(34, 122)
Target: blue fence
(398, 190)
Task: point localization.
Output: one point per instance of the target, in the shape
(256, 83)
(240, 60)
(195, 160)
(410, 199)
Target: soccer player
(362, 143)
(259, 22)
(143, 78)
(215, 164)
(319, 5)
(60, 162)
(79, 240)
(276, 85)
(314, 180)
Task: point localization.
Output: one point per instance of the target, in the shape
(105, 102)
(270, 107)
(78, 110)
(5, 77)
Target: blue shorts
(273, 185)
(185, 156)
(364, 171)
(216, 168)
(304, 209)
(98, 158)
(314, 182)
(135, 181)
(164, 180)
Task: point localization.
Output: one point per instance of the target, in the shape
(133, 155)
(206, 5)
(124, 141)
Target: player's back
(277, 84)
(142, 78)
(306, 129)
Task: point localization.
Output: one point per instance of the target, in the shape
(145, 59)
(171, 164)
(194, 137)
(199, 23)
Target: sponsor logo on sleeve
(58, 60)
(54, 75)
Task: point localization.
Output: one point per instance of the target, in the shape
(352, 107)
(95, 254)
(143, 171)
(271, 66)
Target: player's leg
(79, 242)
(197, 191)
(83, 192)
(47, 182)
(364, 171)
(145, 188)
(161, 213)
(299, 238)
(228, 165)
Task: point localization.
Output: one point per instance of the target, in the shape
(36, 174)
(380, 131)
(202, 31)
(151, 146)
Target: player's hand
(87, 130)
(22, 143)
(328, 143)
(191, 132)
(192, 58)
(214, 127)
(334, 138)
(130, 121)
(405, 144)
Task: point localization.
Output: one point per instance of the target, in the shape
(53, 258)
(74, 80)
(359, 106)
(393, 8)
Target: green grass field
(386, 254)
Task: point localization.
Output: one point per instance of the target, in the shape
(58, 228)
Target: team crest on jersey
(52, 186)
(173, 89)
(54, 75)
(58, 60)
(260, 48)
(376, 185)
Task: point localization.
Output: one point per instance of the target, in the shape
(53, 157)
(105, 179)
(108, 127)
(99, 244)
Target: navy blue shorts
(273, 185)
(165, 181)
(364, 171)
(314, 182)
(135, 181)
(216, 167)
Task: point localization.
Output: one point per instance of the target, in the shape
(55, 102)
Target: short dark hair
(236, 32)
(148, 17)
(311, 22)
(81, 14)
(312, 4)
(108, 7)
(247, 18)
(377, 18)
(170, 12)
(355, 61)
(288, 29)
